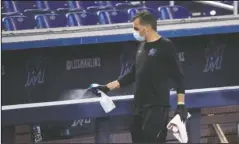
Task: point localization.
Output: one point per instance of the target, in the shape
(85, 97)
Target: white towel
(178, 128)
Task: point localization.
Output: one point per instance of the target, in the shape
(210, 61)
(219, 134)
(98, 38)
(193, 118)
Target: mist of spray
(77, 94)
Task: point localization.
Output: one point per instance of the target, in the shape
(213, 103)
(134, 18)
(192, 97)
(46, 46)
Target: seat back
(133, 11)
(81, 19)
(174, 12)
(42, 5)
(52, 5)
(112, 16)
(50, 21)
(75, 4)
(155, 4)
(100, 6)
(9, 6)
(104, 3)
(18, 22)
(124, 5)
(81, 4)
(25, 5)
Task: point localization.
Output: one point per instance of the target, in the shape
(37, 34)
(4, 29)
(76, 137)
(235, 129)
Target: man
(156, 62)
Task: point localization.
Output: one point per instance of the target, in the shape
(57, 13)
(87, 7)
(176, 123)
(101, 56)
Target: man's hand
(104, 88)
(113, 85)
(181, 109)
(95, 88)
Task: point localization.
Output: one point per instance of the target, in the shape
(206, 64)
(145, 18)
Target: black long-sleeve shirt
(156, 63)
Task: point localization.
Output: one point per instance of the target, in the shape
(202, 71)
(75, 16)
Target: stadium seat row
(69, 6)
(53, 20)
(20, 15)
(10, 7)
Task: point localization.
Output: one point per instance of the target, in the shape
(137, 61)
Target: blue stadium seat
(50, 21)
(56, 6)
(94, 9)
(81, 19)
(155, 4)
(133, 11)
(76, 5)
(81, 4)
(90, 6)
(95, 6)
(21, 7)
(17, 22)
(121, 5)
(174, 12)
(104, 3)
(9, 7)
(112, 16)
(26, 5)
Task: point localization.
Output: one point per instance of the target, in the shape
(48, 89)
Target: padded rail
(85, 108)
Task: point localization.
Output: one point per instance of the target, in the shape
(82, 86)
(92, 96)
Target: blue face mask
(137, 36)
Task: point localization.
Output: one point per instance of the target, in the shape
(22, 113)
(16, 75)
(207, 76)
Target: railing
(217, 4)
(233, 8)
(171, 3)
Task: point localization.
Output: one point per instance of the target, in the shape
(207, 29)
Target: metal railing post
(235, 7)
(220, 133)
(171, 3)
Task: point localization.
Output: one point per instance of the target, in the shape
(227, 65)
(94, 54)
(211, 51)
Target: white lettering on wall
(36, 71)
(81, 122)
(214, 57)
(83, 63)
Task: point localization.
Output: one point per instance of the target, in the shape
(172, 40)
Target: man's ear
(148, 28)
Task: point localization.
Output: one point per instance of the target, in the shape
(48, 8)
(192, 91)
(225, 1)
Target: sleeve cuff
(121, 81)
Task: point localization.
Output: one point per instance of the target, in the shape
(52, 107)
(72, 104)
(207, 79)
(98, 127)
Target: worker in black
(156, 62)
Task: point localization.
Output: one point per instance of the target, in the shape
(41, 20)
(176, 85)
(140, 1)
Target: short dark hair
(146, 18)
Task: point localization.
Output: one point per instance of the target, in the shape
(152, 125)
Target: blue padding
(117, 38)
(123, 107)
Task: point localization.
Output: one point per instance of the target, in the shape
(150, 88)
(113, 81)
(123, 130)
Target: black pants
(149, 126)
